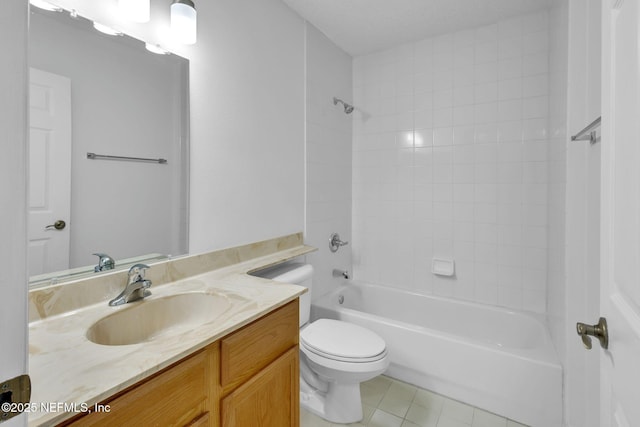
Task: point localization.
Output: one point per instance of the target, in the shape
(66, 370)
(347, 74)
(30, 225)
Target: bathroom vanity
(249, 377)
(237, 368)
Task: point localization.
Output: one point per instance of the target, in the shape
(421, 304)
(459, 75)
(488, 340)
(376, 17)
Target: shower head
(348, 108)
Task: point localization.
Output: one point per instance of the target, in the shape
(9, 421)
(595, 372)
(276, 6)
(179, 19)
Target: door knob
(58, 225)
(598, 330)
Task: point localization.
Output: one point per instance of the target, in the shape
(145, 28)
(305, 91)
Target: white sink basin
(156, 318)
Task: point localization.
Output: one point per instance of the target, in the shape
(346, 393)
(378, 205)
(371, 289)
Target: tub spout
(341, 273)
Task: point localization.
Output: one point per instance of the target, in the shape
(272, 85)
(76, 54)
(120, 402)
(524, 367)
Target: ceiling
(364, 26)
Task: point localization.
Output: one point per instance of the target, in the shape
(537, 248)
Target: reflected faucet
(104, 263)
(137, 287)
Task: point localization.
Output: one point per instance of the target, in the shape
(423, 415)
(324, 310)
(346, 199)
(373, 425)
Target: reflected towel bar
(588, 133)
(95, 156)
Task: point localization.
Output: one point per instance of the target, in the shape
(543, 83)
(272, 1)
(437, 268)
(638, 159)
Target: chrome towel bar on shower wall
(588, 133)
(94, 156)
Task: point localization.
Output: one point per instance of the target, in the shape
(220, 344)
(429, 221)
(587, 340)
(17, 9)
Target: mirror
(106, 95)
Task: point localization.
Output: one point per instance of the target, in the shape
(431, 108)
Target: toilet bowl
(335, 356)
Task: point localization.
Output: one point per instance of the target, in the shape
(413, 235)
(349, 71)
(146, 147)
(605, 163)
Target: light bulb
(155, 48)
(45, 5)
(106, 30)
(135, 10)
(184, 21)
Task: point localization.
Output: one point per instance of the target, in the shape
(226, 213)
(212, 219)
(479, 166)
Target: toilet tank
(296, 273)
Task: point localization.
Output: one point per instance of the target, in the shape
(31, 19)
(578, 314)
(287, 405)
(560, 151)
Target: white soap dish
(443, 267)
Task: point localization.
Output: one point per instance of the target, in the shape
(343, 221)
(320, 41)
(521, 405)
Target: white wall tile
(463, 115)
(486, 52)
(463, 95)
(510, 89)
(487, 33)
(453, 161)
(486, 92)
(443, 136)
(463, 135)
(509, 68)
(510, 48)
(535, 85)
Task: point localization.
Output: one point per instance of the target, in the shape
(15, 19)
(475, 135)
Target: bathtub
(493, 358)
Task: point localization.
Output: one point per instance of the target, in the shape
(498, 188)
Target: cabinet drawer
(175, 396)
(253, 347)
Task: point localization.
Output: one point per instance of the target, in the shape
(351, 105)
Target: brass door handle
(58, 225)
(598, 330)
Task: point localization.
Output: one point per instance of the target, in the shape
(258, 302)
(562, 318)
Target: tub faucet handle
(340, 273)
(335, 243)
(599, 330)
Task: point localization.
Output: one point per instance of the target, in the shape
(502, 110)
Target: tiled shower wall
(450, 151)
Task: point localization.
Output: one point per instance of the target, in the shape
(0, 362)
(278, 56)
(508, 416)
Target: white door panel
(620, 219)
(49, 171)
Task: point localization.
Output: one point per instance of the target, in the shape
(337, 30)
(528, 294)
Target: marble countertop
(66, 368)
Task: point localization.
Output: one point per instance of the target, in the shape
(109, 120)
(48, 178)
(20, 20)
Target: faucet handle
(105, 262)
(136, 272)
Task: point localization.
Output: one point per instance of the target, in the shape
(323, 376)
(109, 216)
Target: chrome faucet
(137, 286)
(104, 263)
(335, 243)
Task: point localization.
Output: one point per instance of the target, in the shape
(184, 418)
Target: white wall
(247, 123)
(13, 140)
(247, 115)
(558, 135)
(123, 103)
(450, 160)
(328, 130)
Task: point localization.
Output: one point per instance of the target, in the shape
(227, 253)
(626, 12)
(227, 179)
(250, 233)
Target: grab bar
(94, 156)
(588, 133)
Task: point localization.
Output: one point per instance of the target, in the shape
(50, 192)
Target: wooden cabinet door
(179, 396)
(270, 399)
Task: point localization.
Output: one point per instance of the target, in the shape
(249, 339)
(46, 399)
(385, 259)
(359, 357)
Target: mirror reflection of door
(49, 171)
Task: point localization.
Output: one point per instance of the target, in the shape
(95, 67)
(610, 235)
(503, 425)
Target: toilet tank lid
(295, 272)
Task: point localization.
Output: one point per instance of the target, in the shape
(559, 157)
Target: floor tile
(371, 396)
(395, 405)
(387, 402)
(367, 412)
(487, 419)
(402, 390)
(379, 383)
(384, 419)
(445, 421)
(307, 419)
(457, 411)
(423, 416)
(429, 399)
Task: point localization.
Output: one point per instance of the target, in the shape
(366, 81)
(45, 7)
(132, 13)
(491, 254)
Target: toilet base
(340, 404)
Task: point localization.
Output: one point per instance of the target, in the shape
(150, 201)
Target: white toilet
(335, 356)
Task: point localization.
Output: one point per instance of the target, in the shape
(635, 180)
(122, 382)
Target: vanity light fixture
(184, 21)
(155, 48)
(135, 10)
(45, 5)
(106, 30)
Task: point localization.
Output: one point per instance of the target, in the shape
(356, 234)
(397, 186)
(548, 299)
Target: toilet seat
(342, 342)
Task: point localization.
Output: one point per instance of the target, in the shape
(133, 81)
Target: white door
(620, 221)
(49, 172)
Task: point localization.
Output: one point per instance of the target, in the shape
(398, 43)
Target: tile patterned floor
(390, 403)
